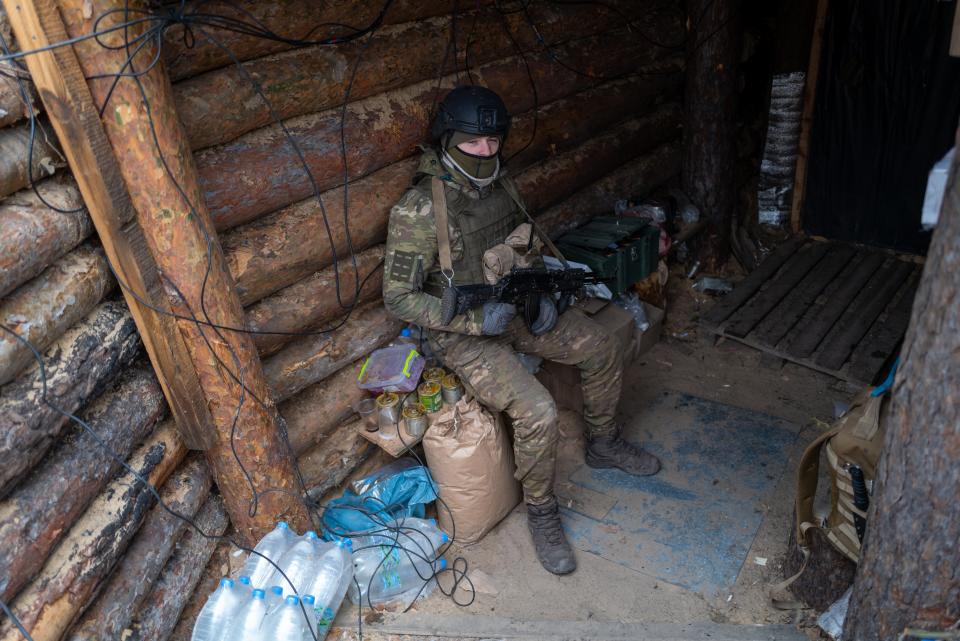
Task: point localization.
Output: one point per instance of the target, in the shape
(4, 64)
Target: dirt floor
(516, 598)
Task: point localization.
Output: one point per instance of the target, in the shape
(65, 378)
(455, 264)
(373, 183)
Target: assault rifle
(521, 287)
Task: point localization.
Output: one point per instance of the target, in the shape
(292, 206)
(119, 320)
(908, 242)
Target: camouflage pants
(489, 366)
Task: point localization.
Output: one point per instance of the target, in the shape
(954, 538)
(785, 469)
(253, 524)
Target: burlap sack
(470, 458)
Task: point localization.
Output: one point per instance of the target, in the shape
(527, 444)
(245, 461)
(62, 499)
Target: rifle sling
(443, 232)
(511, 190)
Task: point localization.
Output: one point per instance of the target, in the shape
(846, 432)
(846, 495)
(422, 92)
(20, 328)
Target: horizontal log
(317, 78)
(12, 106)
(41, 310)
(131, 582)
(40, 509)
(289, 244)
(314, 412)
(328, 464)
(313, 303)
(78, 366)
(313, 358)
(14, 149)
(160, 610)
(636, 179)
(260, 172)
(560, 176)
(185, 58)
(32, 235)
(375, 461)
(94, 544)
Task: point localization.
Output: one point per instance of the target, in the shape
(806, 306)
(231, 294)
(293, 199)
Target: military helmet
(471, 109)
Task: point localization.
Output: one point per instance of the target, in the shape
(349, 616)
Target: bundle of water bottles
(296, 596)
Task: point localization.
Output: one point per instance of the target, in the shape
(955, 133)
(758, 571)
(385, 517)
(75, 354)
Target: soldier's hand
(547, 319)
(496, 317)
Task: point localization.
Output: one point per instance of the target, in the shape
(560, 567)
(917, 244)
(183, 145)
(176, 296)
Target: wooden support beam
(806, 120)
(67, 99)
(251, 462)
(955, 36)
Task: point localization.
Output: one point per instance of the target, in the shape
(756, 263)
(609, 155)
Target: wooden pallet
(834, 307)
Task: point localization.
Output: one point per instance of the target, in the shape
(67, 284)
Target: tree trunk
(94, 544)
(240, 179)
(78, 366)
(290, 244)
(161, 177)
(709, 127)
(55, 493)
(316, 78)
(313, 413)
(636, 178)
(43, 309)
(325, 466)
(187, 58)
(129, 585)
(909, 574)
(161, 609)
(312, 358)
(32, 235)
(14, 149)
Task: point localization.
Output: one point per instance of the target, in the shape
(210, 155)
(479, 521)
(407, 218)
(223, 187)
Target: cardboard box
(646, 340)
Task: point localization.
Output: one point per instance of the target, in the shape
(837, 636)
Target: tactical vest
(476, 225)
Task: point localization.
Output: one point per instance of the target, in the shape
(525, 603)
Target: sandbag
(471, 460)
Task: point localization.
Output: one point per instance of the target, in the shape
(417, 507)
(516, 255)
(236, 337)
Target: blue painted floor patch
(693, 523)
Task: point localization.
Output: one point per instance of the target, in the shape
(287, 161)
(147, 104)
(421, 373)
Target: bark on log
(260, 172)
(710, 127)
(41, 310)
(12, 106)
(313, 413)
(328, 464)
(316, 78)
(162, 607)
(184, 60)
(909, 573)
(89, 551)
(129, 585)
(176, 226)
(828, 573)
(78, 366)
(313, 303)
(14, 148)
(290, 244)
(313, 358)
(635, 178)
(558, 177)
(49, 500)
(32, 235)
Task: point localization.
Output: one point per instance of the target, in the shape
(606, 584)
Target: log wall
(85, 551)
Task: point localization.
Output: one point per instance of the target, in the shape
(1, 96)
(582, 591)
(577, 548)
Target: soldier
(465, 173)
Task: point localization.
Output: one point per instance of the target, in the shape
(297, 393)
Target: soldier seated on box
(481, 242)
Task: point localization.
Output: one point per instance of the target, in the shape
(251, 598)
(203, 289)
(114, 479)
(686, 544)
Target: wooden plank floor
(834, 307)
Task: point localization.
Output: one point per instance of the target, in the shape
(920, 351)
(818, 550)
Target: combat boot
(613, 451)
(549, 540)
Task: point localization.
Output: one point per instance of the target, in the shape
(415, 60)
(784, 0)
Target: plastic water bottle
(243, 584)
(421, 536)
(249, 617)
(299, 564)
(272, 546)
(310, 624)
(214, 619)
(286, 623)
(329, 586)
(274, 598)
(388, 571)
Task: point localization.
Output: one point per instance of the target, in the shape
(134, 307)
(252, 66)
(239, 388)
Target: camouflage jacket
(411, 263)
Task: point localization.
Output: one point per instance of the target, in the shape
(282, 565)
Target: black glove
(547, 319)
(496, 317)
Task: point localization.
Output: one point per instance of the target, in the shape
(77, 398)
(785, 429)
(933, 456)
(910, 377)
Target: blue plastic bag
(399, 490)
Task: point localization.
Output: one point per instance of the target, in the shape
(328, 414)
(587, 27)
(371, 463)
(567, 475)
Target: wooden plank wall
(599, 121)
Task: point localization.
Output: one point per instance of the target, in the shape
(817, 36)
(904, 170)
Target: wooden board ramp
(837, 308)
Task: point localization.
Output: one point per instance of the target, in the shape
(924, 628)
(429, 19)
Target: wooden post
(58, 78)
(955, 36)
(908, 576)
(710, 127)
(806, 120)
(157, 167)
